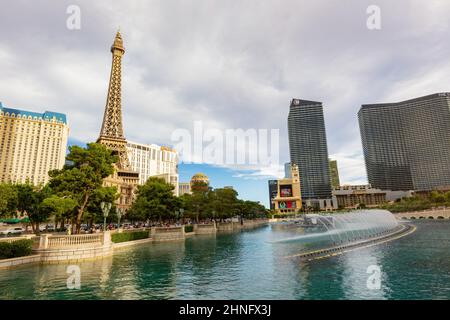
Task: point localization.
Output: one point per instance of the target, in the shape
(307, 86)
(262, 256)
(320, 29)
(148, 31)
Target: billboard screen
(287, 205)
(286, 190)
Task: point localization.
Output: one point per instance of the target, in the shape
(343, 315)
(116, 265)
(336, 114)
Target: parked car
(11, 231)
(47, 228)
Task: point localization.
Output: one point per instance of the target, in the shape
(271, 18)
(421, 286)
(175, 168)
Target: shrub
(16, 249)
(5, 250)
(188, 228)
(129, 236)
(22, 248)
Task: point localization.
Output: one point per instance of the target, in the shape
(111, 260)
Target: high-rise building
(334, 174)
(31, 144)
(111, 134)
(407, 144)
(154, 161)
(308, 149)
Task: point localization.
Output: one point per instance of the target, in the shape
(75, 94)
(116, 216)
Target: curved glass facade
(407, 144)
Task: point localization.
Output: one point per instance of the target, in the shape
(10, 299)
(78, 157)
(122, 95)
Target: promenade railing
(56, 242)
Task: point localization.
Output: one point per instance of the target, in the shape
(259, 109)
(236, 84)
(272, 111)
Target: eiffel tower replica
(111, 134)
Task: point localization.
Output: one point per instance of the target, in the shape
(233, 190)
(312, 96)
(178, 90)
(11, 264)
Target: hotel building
(354, 196)
(285, 194)
(407, 144)
(184, 188)
(31, 144)
(153, 160)
(309, 151)
(359, 196)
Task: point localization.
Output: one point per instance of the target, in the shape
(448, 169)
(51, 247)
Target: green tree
(155, 200)
(223, 203)
(29, 199)
(8, 199)
(83, 176)
(58, 207)
(251, 209)
(93, 209)
(200, 205)
(199, 186)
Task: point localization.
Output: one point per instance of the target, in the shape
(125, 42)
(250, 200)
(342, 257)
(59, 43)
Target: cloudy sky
(230, 64)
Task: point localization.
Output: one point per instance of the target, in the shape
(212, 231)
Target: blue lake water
(249, 265)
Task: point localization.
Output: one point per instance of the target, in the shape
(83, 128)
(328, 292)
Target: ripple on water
(247, 265)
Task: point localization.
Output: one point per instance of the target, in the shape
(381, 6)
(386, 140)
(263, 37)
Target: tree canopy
(83, 176)
(8, 199)
(156, 201)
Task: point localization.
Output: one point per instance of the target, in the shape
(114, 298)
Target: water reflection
(356, 276)
(248, 265)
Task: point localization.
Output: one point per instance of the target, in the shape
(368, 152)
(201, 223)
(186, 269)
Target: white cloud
(229, 64)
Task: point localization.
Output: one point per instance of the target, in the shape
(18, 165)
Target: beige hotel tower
(31, 144)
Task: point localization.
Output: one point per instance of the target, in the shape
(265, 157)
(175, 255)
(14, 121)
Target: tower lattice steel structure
(111, 134)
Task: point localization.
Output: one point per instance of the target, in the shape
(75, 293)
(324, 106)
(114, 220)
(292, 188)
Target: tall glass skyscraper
(407, 144)
(308, 148)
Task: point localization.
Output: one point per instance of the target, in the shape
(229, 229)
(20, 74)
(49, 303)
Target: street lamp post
(181, 215)
(119, 215)
(177, 214)
(106, 206)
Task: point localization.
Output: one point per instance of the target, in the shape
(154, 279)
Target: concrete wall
(247, 224)
(167, 234)
(250, 224)
(225, 226)
(9, 263)
(131, 243)
(205, 228)
(75, 255)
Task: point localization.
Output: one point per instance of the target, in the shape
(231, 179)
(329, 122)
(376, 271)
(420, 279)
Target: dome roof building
(199, 177)
(199, 180)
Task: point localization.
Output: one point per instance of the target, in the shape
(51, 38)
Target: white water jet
(346, 227)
